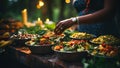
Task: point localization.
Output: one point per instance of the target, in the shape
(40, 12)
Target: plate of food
(40, 46)
(72, 50)
(82, 35)
(20, 39)
(105, 51)
(106, 39)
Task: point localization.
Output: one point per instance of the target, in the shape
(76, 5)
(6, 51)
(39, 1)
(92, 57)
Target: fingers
(62, 25)
(59, 28)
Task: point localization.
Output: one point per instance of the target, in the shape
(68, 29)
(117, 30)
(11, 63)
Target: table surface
(24, 56)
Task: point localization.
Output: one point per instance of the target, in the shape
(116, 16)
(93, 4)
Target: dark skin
(100, 15)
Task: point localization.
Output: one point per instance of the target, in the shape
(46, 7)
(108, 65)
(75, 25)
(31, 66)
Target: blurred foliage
(101, 62)
(50, 26)
(55, 10)
(32, 30)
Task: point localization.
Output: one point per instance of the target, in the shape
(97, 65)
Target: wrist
(75, 20)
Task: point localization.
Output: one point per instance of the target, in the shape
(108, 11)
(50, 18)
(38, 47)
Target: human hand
(62, 25)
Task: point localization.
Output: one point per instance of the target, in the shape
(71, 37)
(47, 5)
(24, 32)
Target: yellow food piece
(6, 34)
(94, 52)
(4, 43)
(107, 39)
(82, 35)
(57, 48)
(100, 47)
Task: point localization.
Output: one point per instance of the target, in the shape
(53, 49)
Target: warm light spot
(40, 4)
(47, 20)
(25, 10)
(67, 1)
(38, 19)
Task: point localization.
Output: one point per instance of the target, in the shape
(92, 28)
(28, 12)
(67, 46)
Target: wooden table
(24, 55)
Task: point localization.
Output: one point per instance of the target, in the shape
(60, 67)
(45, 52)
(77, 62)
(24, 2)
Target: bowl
(106, 39)
(20, 42)
(20, 39)
(104, 51)
(40, 49)
(105, 58)
(82, 36)
(73, 50)
(71, 56)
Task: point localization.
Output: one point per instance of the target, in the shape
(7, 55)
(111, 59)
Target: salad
(106, 39)
(82, 35)
(72, 46)
(105, 50)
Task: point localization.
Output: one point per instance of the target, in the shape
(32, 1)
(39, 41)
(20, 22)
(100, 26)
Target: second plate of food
(82, 35)
(106, 39)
